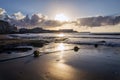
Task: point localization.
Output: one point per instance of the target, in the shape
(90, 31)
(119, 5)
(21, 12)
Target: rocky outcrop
(5, 27)
(35, 30)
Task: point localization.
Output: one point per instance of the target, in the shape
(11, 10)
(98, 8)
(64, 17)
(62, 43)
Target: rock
(96, 45)
(6, 27)
(9, 52)
(57, 60)
(36, 53)
(102, 41)
(76, 48)
(38, 43)
(11, 49)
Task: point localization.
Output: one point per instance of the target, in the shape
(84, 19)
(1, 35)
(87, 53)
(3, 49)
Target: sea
(97, 57)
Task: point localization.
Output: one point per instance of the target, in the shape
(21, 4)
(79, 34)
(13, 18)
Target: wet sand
(89, 63)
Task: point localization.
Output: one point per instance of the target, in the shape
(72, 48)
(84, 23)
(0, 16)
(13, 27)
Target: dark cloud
(98, 21)
(52, 23)
(37, 18)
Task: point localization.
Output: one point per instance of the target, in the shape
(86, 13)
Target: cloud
(2, 11)
(18, 16)
(98, 21)
(37, 18)
(51, 23)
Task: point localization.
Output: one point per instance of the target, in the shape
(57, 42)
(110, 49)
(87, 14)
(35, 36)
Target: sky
(71, 8)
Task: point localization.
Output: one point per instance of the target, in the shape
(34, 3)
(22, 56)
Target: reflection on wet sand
(55, 47)
(62, 71)
(63, 63)
(90, 64)
(61, 47)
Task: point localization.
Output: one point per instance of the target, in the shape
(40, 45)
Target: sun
(61, 17)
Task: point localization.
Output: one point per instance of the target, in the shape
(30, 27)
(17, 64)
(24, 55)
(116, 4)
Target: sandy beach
(89, 63)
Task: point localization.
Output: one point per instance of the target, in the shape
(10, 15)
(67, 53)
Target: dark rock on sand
(36, 53)
(96, 45)
(39, 43)
(76, 48)
(10, 49)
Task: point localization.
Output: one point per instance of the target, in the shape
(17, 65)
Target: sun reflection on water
(61, 35)
(59, 69)
(61, 47)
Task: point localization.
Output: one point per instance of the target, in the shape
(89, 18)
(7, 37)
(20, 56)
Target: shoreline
(86, 64)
